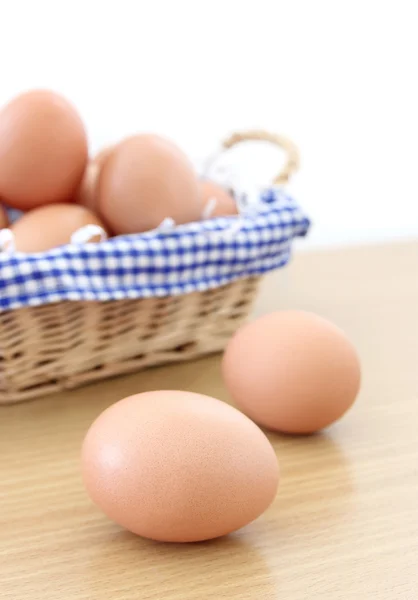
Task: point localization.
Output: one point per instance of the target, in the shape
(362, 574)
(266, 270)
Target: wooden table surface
(344, 525)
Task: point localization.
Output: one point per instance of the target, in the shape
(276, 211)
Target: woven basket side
(59, 346)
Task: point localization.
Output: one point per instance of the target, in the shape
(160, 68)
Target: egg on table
(43, 150)
(50, 226)
(145, 180)
(178, 467)
(292, 371)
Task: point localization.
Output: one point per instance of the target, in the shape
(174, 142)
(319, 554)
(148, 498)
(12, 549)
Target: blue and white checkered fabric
(188, 258)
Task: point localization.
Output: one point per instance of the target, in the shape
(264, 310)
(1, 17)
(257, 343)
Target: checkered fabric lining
(188, 258)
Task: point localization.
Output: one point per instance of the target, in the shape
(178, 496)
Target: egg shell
(292, 371)
(225, 203)
(145, 180)
(87, 192)
(178, 467)
(50, 226)
(4, 219)
(103, 155)
(43, 150)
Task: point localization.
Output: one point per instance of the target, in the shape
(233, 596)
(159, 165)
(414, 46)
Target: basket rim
(192, 257)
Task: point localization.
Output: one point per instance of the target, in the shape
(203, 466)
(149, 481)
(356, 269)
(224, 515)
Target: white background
(340, 78)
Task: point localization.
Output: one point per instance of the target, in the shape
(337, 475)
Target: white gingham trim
(187, 258)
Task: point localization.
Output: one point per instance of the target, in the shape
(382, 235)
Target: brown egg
(87, 192)
(145, 180)
(103, 155)
(43, 150)
(178, 466)
(50, 226)
(292, 371)
(223, 205)
(4, 219)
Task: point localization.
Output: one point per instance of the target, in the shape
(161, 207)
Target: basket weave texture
(60, 346)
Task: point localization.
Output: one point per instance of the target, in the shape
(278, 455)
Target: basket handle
(291, 150)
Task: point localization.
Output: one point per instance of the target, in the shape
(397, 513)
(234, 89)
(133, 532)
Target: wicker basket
(63, 345)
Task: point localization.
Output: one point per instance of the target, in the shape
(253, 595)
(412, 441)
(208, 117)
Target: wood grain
(344, 525)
